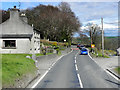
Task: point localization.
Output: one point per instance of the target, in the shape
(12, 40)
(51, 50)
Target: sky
(87, 12)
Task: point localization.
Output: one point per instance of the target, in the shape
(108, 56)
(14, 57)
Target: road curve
(77, 71)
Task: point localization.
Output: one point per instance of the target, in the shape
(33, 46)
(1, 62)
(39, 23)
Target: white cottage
(16, 36)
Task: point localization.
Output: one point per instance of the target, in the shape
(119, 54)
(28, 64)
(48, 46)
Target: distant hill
(111, 36)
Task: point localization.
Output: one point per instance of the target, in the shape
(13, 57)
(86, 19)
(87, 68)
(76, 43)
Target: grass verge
(59, 53)
(14, 66)
(98, 53)
(118, 70)
(39, 54)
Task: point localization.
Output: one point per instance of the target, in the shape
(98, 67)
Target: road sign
(92, 45)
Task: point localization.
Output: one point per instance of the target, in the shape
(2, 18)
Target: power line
(19, 5)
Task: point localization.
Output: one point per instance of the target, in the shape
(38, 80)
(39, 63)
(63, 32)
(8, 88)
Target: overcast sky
(85, 11)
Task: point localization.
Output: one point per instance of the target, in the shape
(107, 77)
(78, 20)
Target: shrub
(54, 43)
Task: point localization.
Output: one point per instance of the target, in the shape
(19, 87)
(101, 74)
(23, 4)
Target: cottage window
(9, 43)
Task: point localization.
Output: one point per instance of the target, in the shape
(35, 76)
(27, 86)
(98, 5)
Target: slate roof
(14, 27)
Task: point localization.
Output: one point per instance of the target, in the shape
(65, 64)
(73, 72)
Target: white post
(102, 37)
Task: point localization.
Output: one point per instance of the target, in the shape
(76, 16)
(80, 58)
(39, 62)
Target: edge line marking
(104, 69)
(48, 70)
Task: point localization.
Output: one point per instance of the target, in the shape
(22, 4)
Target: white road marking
(112, 75)
(81, 85)
(92, 59)
(53, 64)
(39, 79)
(75, 61)
(90, 56)
(75, 57)
(48, 70)
(104, 69)
(80, 82)
(76, 67)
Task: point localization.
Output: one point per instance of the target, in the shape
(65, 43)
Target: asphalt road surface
(77, 71)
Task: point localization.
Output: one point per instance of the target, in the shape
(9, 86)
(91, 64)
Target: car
(78, 45)
(81, 46)
(83, 51)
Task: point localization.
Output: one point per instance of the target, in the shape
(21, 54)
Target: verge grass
(118, 70)
(98, 53)
(14, 66)
(40, 54)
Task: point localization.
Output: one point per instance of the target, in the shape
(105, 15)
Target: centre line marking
(75, 57)
(81, 85)
(76, 67)
(75, 61)
(48, 70)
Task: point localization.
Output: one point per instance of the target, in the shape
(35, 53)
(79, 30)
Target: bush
(43, 51)
(54, 43)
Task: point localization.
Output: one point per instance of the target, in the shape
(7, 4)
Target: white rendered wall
(22, 46)
(35, 43)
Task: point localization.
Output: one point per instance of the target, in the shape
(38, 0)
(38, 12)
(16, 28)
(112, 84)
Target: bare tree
(94, 32)
(55, 23)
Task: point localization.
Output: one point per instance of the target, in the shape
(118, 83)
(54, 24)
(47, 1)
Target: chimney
(14, 13)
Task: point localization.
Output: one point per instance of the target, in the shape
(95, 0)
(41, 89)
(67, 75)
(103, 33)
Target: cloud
(111, 33)
(105, 26)
(87, 11)
(60, 0)
(91, 12)
(109, 26)
(113, 22)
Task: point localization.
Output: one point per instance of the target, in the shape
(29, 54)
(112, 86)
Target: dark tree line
(4, 15)
(54, 23)
(112, 43)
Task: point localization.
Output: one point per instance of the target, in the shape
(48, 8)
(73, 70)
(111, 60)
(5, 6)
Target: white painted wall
(35, 43)
(22, 46)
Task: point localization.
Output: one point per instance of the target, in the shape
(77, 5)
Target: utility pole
(102, 37)
(91, 36)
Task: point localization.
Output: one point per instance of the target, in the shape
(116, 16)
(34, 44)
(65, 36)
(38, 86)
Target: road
(77, 71)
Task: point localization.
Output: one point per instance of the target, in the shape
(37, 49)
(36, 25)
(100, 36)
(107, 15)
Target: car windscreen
(83, 49)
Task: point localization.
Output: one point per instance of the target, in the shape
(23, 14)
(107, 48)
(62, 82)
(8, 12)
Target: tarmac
(44, 63)
(109, 64)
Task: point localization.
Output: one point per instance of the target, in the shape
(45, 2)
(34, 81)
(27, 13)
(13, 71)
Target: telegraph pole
(102, 37)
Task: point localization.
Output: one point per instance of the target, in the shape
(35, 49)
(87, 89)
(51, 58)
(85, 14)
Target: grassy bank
(98, 53)
(14, 66)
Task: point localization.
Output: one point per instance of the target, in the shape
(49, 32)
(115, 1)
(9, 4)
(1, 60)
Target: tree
(94, 32)
(71, 23)
(54, 23)
(111, 43)
(5, 15)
